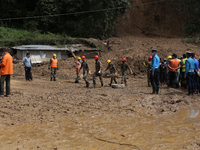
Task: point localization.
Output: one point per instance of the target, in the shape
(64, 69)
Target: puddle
(189, 113)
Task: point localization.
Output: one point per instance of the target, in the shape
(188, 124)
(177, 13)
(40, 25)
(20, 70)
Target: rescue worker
(178, 73)
(196, 76)
(183, 80)
(113, 71)
(54, 67)
(149, 69)
(124, 68)
(168, 61)
(155, 75)
(78, 67)
(163, 72)
(98, 71)
(28, 69)
(86, 70)
(173, 66)
(189, 73)
(6, 70)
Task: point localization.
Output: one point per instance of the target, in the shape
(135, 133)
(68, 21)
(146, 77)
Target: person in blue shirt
(196, 77)
(28, 69)
(155, 75)
(189, 73)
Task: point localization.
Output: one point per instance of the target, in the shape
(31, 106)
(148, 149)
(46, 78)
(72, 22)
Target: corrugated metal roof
(40, 47)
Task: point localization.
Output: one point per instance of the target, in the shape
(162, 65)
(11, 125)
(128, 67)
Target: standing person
(6, 71)
(163, 72)
(78, 67)
(178, 73)
(149, 69)
(189, 73)
(54, 67)
(183, 80)
(86, 70)
(168, 61)
(155, 75)
(28, 69)
(174, 65)
(196, 76)
(112, 69)
(98, 71)
(124, 68)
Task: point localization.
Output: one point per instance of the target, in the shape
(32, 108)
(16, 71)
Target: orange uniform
(7, 64)
(54, 63)
(174, 63)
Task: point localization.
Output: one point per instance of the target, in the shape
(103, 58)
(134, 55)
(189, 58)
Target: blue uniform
(189, 73)
(155, 62)
(196, 77)
(155, 80)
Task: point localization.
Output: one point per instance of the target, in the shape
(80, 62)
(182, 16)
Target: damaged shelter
(40, 53)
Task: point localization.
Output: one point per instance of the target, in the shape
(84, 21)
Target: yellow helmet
(79, 58)
(169, 57)
(108, 61)
(54, 55)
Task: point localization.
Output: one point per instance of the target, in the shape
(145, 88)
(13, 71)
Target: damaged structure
(40, 53)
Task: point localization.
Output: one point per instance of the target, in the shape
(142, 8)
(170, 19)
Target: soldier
(78, 66)
(149, 69)
(98, 71)
(54, 67)
(112, 69)
(86, 70)
(124, 67)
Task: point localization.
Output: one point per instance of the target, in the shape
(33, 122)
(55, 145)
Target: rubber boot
(157, 89)
(87, 84)
(154, 90)
(54, 79)
(101, 84)
(51, 79)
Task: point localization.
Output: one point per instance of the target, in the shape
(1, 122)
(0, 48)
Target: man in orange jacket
(6, 71)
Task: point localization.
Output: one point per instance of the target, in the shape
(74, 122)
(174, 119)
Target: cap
(188, 52)
(154, 50)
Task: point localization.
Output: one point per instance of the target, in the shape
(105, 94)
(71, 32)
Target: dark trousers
(7, 79)
(155, 80)
(173, 78)
(196, 81)
(183, 80)
(28, 73)
(190, 82)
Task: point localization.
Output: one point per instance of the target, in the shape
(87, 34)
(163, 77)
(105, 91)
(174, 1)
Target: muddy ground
(64, 115)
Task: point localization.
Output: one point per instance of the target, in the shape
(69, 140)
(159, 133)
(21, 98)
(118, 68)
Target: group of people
(99, 72)
(173, 71)
(161, 72)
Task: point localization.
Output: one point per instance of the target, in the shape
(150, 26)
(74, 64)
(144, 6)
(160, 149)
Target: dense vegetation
(190, 11)
(91, 24)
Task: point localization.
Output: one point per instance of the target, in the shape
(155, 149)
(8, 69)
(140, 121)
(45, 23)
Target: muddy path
(63, 115)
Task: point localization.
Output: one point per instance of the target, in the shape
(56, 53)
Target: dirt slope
(160, 19)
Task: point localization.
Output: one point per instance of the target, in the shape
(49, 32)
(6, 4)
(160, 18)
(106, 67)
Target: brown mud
(63, 115)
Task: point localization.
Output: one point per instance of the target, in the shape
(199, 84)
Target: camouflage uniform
(78, 66)
(85, 67)
(98, 66)
(149, 69)
(124, 68)
(111, 67)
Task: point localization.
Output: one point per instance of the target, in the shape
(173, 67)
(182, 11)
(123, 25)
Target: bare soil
(64, 115)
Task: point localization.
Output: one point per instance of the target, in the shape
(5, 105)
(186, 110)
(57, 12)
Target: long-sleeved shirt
(27, 62)
(196, 64)
(189, 65)
(155, 62)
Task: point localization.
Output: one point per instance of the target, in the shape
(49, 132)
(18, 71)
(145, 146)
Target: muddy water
(106, 133)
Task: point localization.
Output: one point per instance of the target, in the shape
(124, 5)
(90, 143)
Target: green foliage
(91, 24)
(190, 10)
